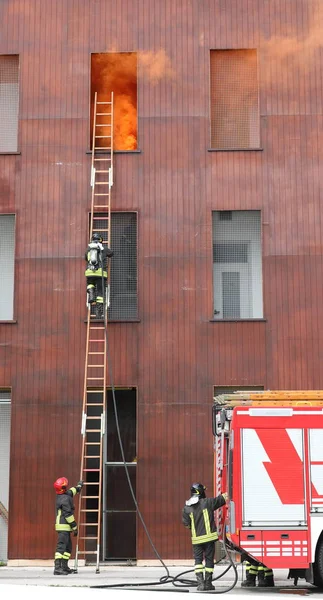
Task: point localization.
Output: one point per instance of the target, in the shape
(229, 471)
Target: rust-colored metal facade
(175, 354)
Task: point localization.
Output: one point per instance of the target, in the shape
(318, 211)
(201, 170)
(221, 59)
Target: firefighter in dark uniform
(198, 516)
(256, 569)
(96, 257)
(65, 523)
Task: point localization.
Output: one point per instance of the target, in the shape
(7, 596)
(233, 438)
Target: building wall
(175, 354)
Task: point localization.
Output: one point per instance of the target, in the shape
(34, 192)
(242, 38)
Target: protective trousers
(206, 550)
(64, 545)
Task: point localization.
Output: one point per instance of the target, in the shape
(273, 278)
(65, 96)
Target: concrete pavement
(38, 581)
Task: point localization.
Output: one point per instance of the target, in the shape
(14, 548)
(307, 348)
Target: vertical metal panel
(175, 354)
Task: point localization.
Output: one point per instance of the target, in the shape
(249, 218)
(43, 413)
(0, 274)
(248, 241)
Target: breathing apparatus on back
(95, 252)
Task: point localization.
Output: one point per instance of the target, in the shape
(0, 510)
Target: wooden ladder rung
(92, 498)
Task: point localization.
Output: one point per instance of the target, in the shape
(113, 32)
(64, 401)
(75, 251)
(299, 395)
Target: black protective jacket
(65, 520)
(103, 255)
(198, 516)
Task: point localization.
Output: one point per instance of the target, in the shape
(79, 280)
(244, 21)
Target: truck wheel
(318, 565)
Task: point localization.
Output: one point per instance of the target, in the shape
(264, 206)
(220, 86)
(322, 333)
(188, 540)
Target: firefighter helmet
(60, 485)
(97, 237)
(198, 489)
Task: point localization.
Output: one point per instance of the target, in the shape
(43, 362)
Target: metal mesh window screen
(123, 275)
(237, 265)
(9, 99)
(5, 416)
(234, 99)
(7, 263)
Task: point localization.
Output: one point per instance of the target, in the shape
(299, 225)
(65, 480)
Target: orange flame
(117, 72)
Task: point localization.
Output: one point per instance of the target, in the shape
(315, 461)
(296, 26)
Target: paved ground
(37, 582)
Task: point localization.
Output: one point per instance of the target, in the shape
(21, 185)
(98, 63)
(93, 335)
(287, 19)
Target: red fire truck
(269, 457)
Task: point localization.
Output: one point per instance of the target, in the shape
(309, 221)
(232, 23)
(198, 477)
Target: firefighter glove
(80, 484)
(225, 495)
(75, 532)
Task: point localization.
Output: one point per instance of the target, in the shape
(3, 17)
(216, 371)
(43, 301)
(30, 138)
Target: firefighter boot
(58, 570)
(249, 581)
(65, 566)
(265, 580)
(208, 582)
(99, 310)
(91, 294)
(200, 582)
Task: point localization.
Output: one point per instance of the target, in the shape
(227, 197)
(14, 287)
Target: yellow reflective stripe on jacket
(70, 519)
(206, 521)
(208, 536)
(201, 539)
(62, 526)
(73, 490)
(192, 526)
(97, 273)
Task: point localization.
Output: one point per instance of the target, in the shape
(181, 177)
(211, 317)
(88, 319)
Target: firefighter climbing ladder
(95, 376)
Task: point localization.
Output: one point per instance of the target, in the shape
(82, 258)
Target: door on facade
(118, 507)
(5, 411)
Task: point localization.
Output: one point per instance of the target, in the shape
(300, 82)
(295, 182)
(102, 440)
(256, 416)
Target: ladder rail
(92, 162)
(95, 368)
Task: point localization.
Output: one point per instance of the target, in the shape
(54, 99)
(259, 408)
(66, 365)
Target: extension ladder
(95, 375)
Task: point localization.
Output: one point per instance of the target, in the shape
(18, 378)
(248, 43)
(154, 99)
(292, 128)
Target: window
(5, 420)
(237, 265)
(7, 265)
(123, 274)
(9, 99)
(234, 100)
(117, 72)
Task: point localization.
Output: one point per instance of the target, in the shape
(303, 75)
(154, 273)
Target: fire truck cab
(269, 458)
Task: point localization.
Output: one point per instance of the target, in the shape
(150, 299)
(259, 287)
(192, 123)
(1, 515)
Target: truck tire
(318, 565)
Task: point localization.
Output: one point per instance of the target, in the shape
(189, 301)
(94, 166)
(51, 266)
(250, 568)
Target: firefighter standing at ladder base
(198, 516)
(256, 569)
(96, 257)
(65, 523)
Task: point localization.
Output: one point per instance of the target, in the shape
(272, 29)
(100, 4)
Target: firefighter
(256, 569)
(65, 523)
(96, 256)
(198, 516)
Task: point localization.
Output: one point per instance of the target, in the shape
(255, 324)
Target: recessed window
(9, 100)
(237, 266)
(123, 274)
(7, 266)
(234, 100)
(117, 72)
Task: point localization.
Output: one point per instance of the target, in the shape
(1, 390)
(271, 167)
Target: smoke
(156, 66)
(295, 50)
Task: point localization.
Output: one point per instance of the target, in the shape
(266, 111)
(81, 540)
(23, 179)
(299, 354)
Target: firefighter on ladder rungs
(96, 257)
